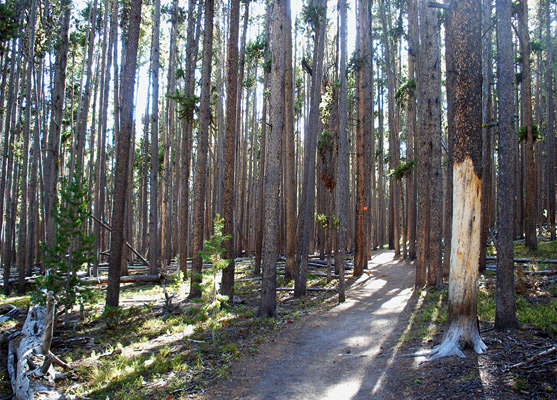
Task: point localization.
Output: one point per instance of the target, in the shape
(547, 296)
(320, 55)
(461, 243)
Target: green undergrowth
(428, 317)
(542, 316)
(535, 309)
(546, 250)
(140, 351)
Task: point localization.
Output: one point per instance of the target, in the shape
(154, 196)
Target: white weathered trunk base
(456, 336)
(465, 253)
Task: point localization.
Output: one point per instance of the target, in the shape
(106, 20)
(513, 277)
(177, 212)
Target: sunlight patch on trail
(394, 303)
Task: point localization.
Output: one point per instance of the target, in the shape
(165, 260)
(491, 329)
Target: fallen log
(29, 357)
(525, 260)
(545, 272)
(103, 280)
(311, 289)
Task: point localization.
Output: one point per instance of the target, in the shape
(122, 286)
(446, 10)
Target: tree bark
(550, 133)
(22, 228)
(308, 191)
(191, 50)
(464, 77)
(505, 309)
(411, 121)
(83, 113)
(290, 162)
(267, 306)
(342, 159)
(526, 100)
(428, 268)
(203, 138)
(35, 343)
(230, 146)
(123, 155)
(154, 238)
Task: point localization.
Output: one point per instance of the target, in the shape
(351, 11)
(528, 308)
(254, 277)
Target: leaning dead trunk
(29, 358)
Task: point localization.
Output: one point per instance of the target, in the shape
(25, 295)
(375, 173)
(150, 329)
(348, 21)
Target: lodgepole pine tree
(230, 147)
(464, 80)
(505, 309)
(268, 304)
(123, 154)
(202, 146)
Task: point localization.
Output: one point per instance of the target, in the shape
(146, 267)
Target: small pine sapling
(73, 248)
(211, 301)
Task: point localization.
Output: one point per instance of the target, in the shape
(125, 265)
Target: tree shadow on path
(343, 353)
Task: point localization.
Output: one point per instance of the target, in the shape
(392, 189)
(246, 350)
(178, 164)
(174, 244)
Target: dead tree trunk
(30, 359)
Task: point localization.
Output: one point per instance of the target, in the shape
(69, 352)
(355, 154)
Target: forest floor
(363, 349)
(313, 349)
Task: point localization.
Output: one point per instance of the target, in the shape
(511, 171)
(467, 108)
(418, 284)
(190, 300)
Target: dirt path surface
(342, 353)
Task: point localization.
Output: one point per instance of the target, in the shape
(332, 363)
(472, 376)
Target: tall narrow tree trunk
(505, 311)
(342, 159)
(267, 307)
(464, 80)
(486, 119)
(154, 117)
(428, 268)
(411, 121)
(526, 100)
(203, 139)
(123, 155)
(51, 167)
(22, 228)
(550, 133)
(191, 51)
(86, 101)
(290, 162)
(230, 146)
(394, 149)
(308, 191)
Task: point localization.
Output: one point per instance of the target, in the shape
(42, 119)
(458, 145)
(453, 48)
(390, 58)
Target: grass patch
(428, 317)
(486, 305)
(18, 301)
(546, 249)
(542, 316)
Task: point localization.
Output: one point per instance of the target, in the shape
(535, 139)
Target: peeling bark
(464, 82)
(465, 251)
(30, 359)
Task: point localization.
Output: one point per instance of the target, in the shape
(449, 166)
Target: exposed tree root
(456, 335)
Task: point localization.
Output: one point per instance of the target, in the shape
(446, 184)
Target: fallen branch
(544, 272)
(530, 360)
(56, 360)
(108, 228)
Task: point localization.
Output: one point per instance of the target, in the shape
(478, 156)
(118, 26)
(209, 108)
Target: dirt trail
(343, 353)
